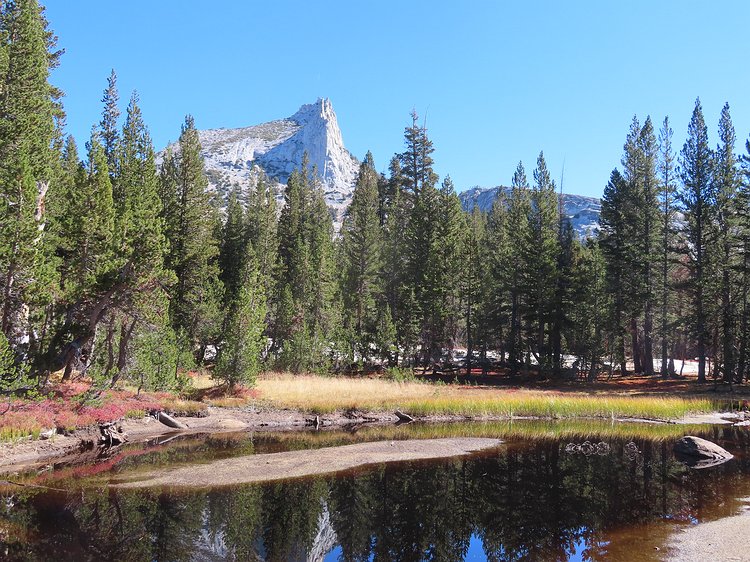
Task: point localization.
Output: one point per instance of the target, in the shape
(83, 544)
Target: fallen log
(402, 417)
(169, 421)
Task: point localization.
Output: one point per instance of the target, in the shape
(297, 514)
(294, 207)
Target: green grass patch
(560, 407)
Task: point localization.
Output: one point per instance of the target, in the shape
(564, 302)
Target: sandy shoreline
(82, 445)
(310, 462)
(725, 539)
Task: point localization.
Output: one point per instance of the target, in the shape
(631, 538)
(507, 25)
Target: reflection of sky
(476, 552)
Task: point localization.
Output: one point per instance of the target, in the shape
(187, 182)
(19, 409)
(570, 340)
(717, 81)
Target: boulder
(700, 453)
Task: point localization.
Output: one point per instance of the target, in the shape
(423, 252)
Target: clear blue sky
(499, 81)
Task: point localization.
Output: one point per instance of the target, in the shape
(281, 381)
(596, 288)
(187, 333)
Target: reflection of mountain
(583, 212)
(535, 500)
(325, 539)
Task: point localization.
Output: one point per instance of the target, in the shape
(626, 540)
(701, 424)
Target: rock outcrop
(236, 156)
(700, 453)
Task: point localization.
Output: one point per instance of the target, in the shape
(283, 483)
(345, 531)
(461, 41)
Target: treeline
(116, 267)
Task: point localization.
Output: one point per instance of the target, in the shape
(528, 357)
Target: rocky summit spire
(319, 135)
(234, 156)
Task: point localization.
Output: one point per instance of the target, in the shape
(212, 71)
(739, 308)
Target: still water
(550, 492)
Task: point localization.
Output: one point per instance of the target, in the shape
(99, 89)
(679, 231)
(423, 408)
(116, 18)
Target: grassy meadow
(326, 395)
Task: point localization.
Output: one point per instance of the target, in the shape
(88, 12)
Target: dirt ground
(294, 464)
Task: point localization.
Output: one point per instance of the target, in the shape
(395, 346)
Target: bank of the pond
(724, 539)
(82, 446)
(292, 402)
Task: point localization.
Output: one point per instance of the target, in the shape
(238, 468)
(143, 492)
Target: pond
(551, 491)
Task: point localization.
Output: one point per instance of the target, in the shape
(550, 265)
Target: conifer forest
(117, 261)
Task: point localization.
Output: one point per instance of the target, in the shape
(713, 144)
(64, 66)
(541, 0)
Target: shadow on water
(578, 493)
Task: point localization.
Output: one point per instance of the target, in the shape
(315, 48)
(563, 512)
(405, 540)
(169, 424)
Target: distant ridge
(583, 212)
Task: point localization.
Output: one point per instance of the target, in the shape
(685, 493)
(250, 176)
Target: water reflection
(532, 500)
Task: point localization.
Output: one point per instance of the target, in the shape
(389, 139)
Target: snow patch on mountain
(234, 157)
(583, 212)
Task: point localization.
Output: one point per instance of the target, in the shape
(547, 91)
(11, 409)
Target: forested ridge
(119, 269)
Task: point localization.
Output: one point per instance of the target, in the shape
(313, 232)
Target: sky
(496, 82)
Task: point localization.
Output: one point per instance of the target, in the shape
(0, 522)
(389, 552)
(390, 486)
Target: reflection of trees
(526, 502)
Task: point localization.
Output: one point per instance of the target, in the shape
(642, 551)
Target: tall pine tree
(696, 172)
(361, 252)
(191, 220)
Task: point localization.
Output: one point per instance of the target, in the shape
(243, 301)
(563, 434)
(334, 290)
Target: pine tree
(696, 169)
(240, 354)
(649, 186)
(28, 106)
(361, 244)
(615, 240)
(139, 227)
(518, 234)
(91, 236)
(322, 310)
(563, 296)
(667, 202)
(449, 245)
(307, 316)
(743, 198)
(588, 316)
(416, 162)
(234, 240)
(110, 134)
(192, 225)
(496, 290)
(140, 246)
(64, 212)
(725, 186)
(262, 225)
(473, 277)
(633, 205)
(421, 201)
(544, 249)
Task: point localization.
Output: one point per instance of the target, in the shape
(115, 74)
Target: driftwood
(112, 434)
(402, 417)
(169, 421)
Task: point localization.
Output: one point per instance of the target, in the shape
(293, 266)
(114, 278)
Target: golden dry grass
(331, 394)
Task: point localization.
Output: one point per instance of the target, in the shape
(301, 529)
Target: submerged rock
(700, 453)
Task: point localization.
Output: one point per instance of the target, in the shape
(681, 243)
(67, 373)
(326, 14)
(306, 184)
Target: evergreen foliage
(239, 359)
(696, 198)
(361, 256)
(113, 270)
(191, 222)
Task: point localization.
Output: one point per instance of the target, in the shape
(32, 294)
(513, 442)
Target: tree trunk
(727, 336)
(741, 364)
(637, 367)
(648, 346)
